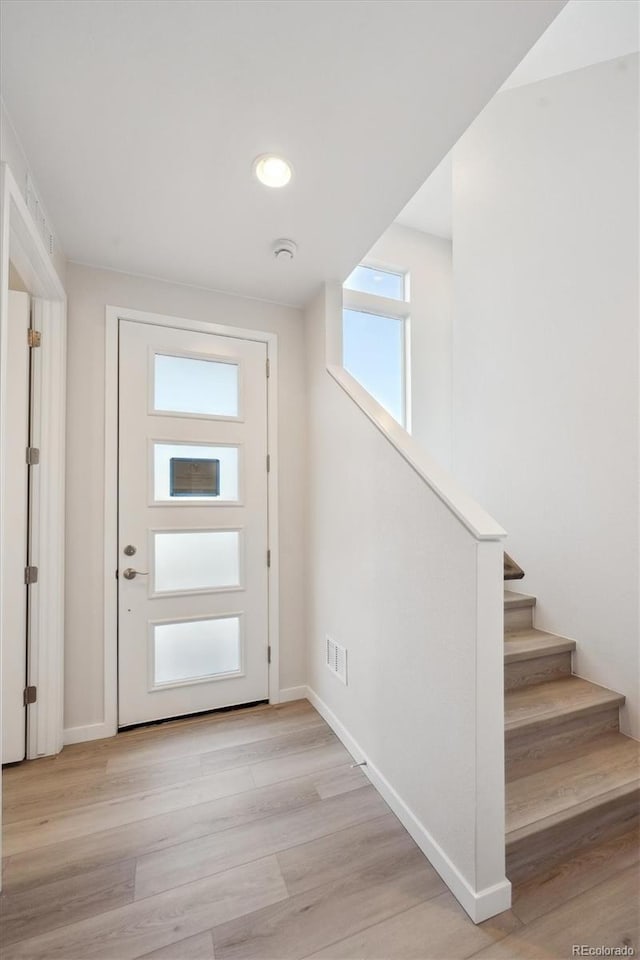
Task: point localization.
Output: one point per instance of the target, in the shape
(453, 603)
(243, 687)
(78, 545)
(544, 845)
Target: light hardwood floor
(248, 835)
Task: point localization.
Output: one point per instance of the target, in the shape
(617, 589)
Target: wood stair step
(537, 706)
(516, 601)
(573, 780)
(566, 805)
(553, 793)
(518, 610)
(532, 657)
(529, 644)
(527, 753)
(555, 721)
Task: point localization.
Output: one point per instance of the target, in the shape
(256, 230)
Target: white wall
(398, 580)
(89, 291)
(545, 252)
(428, 260)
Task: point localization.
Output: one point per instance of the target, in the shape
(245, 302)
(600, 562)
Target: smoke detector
(284, 249)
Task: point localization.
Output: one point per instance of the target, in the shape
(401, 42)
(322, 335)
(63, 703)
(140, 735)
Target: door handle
(131, 574)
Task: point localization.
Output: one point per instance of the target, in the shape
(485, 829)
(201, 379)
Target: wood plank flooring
(248, 835)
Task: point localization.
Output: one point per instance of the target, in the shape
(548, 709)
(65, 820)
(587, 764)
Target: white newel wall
(406, 573)
(546, 434)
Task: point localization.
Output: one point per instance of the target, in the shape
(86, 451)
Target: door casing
(109, 726)
(22, 242)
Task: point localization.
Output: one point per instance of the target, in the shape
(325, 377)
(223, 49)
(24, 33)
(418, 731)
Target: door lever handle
(131, 574)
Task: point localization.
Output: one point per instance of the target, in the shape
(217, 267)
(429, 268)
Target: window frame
(386, 269)
(386, 308)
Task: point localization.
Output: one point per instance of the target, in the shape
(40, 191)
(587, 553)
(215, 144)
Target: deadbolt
(129, 550)
(131, 574)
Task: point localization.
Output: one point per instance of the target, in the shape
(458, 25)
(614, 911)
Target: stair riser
(525, 673)
(520, 618)
(542, 745)
(542, 850)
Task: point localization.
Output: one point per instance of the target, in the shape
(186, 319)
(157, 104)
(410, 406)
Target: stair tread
(555, 794)
(555, 699)
(527, 644)
(515, 601)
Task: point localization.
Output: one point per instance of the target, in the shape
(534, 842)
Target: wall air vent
(336, 659)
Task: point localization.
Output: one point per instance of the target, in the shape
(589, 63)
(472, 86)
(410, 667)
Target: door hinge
(33, 456)
(34, 337)
(269, 654)
(268, 463)
(268, 367)
(30, 575)
(30, 695)
(268, 558)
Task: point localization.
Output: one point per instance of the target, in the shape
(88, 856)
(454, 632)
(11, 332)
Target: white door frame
(113, 316)
(21, 242)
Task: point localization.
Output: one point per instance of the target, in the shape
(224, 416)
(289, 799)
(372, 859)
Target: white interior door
(192, 551)
(14, 591)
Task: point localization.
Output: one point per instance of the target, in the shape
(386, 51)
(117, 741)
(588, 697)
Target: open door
(14, 586)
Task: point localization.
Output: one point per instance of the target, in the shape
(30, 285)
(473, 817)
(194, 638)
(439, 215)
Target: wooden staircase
(573, 780)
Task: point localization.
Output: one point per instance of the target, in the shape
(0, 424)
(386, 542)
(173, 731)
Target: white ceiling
(141, 120)
(584, 32)
(430, 210)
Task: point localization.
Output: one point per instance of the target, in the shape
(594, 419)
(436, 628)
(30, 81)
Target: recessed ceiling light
(272, 171)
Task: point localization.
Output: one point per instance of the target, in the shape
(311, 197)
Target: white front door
(192, 524)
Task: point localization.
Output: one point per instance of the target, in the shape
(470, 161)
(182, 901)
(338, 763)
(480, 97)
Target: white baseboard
(294, 693)
(92, 731)
(479, 904)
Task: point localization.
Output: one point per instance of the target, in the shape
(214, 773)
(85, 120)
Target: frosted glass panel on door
(196, 649)
(202, 387)
(196, 560)
(228, 468)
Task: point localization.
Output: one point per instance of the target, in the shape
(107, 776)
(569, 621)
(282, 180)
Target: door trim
(21, 241)
(109, 727)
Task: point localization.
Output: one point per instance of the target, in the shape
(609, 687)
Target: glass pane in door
(197, 387)
(196, 560)
(196, 650)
